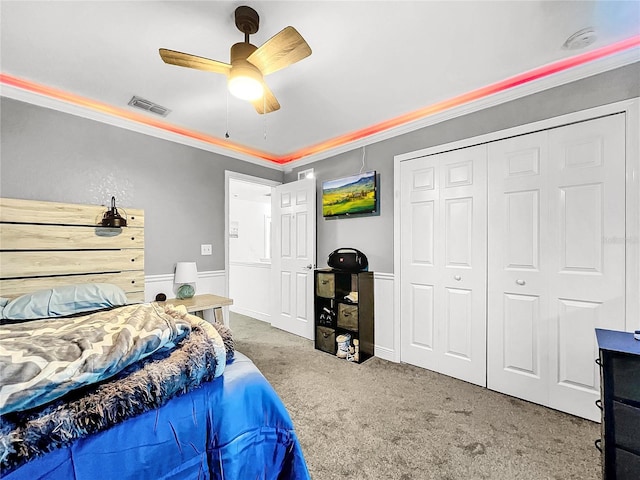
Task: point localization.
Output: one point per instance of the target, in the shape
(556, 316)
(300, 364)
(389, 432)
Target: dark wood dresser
(619, 362)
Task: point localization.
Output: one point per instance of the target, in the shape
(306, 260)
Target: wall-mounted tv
(349, 195)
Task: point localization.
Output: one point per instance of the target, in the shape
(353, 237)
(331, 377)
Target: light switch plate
(205, 250)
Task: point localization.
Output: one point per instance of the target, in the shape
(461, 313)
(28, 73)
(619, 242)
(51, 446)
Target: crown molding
(45, 101)
(546, 82)
(579, 72)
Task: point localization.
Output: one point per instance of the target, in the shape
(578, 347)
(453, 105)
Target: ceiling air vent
(139, 102)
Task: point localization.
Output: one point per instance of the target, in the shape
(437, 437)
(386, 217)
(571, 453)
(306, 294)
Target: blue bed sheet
(232, 428)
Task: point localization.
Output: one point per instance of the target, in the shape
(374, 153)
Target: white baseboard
(265, 317)
(385, 353)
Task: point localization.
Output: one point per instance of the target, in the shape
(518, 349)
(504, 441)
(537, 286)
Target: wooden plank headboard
(47, 244)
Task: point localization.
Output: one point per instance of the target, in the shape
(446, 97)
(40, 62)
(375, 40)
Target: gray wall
(49, 155)
(54, 156)
(374, 234)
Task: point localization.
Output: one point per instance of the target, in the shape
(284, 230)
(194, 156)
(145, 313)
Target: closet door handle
(520, 282)
(457, 277)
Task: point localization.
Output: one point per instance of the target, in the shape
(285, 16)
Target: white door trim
(631, 108)
(228, 175)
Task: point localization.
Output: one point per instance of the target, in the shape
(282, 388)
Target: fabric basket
(326, 339)
(348, 316)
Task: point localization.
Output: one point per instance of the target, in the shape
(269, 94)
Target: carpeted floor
(381, 420)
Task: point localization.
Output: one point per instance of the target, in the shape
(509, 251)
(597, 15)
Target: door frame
(631, 109)
(228, 176)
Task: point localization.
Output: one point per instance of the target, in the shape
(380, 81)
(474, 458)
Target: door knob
(520, 282)
(309, 267)
(457, 277)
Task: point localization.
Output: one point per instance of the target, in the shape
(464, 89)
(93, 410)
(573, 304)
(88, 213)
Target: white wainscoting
(384, 325)
(250, 287)
(214, 282)
(208, 282)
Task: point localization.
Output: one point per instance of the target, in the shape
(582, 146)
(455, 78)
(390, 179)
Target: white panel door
(587, 274)
(443, 255)
(556, 260)
(293, 214)
(420, 278)
(517, 334)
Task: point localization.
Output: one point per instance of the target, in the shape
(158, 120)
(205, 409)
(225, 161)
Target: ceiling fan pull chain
(264, 114)
(226, 135)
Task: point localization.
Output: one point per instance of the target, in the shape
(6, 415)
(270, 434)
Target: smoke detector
(581, 39)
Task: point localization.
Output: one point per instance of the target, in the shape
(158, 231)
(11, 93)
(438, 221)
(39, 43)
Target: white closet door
(587, 274)
(517, 335)
(419, 222)
(556, 260)
(462, 289)
(443, 255)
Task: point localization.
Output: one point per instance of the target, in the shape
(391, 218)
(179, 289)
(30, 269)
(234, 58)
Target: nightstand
(206, 306)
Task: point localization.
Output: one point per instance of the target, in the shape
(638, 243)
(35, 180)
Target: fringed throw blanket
(42, 360)
(139, 387)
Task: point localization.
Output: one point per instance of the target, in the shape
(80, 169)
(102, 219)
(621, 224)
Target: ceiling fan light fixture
(249, 64)
(245, 83)
(245, 88)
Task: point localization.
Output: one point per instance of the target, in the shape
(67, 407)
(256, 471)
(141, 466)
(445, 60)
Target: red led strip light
(473, 95)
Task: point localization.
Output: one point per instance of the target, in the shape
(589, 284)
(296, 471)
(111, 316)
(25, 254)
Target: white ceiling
(371, 61)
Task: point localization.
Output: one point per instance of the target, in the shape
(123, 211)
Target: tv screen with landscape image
(349, 195)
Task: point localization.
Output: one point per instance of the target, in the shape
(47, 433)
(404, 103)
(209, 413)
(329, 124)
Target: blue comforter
(234, 427)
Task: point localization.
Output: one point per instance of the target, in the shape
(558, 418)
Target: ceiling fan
(249, 64)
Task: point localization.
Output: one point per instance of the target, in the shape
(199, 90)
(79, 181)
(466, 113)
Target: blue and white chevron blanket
(62, 379)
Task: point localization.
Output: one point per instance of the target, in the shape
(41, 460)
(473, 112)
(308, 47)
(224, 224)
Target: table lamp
(186, 275)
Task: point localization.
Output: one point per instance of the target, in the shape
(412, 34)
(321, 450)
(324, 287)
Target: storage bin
(326, 339)
(325, 285)
(625, 376)
(348, 316)
(626, 418)
(627, 465)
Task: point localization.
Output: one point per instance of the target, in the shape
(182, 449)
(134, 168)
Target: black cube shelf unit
(344, 311)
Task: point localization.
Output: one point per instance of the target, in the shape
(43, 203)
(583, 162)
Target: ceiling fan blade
(283, 49)
(192, 61)
(268, 103)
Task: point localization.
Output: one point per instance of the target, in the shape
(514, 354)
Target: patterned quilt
(142, 386)
(42, 360)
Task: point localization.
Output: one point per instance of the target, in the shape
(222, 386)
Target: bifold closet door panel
(587, 278)
(517, 330)
(461, 302)
(420, 219)
(443, 261)
(556, 260)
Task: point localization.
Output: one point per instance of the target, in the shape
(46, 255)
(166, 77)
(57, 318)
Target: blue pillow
(66, 300)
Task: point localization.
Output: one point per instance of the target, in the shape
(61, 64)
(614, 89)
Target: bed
(176, 404)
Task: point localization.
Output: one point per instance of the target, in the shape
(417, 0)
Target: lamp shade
(186, 272)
